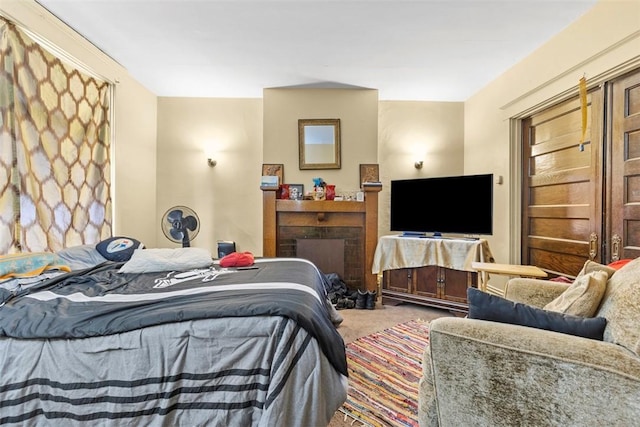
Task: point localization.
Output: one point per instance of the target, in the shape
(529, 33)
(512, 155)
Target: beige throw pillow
(590, 266)
(583, 297)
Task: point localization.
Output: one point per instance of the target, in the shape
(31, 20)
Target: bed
(203, 346)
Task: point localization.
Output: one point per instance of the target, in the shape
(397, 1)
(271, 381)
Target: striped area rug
(384, 369)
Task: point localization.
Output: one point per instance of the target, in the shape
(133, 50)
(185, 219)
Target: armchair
(483, 373)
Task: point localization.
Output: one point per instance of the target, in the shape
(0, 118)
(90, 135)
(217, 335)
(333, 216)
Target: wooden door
(624, 176)
(562, 187)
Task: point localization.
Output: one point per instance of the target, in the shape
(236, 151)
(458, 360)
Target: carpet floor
(384, 369)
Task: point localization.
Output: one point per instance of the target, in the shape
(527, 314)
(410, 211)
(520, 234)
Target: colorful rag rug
(384, 370)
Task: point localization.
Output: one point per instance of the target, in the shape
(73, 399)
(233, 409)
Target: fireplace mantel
(356, 221)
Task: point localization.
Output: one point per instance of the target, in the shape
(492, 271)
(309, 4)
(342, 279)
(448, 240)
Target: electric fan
(180, 224)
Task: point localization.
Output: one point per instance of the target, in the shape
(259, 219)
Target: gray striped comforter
(210, 347)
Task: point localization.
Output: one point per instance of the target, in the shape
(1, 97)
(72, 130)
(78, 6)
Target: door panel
(398, 280)
(427, 281)
(562, 187)
(456, 283)
(624, 215)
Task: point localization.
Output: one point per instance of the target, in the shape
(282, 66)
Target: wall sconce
(418, 164)
(211, 162)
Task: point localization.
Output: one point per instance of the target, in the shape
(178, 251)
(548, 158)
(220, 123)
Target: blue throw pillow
(118, 249)
(485, 306)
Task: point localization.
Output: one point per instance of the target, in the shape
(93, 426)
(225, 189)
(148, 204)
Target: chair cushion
(621, 307)
(485, 306)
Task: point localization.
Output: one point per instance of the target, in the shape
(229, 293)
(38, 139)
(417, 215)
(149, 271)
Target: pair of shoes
(345, 303)
(361, 300)
(366, 300)
(371, 300)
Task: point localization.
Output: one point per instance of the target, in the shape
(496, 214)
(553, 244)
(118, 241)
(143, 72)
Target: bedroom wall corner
(134, 180)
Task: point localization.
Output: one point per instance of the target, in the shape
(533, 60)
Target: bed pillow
(118, 248)
(167, 259)
(81, 256)
(485, 306)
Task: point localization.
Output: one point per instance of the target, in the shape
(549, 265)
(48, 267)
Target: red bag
(237, 259)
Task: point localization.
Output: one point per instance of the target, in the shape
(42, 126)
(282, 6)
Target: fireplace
(339, 237)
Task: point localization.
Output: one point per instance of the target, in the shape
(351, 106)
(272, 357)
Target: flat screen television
(453, 204)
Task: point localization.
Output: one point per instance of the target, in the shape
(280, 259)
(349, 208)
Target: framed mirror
(319, 143)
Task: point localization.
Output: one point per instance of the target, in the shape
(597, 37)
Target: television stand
(430, 272)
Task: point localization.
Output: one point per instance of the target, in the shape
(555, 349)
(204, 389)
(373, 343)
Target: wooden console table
(486, 268)
(429, 271)
(286, 221)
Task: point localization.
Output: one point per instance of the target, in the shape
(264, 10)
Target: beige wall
(409, 131)
(393, 134)
(601, 44)
(357, 110)
(134, 150)
(227, 197)
(134, 130)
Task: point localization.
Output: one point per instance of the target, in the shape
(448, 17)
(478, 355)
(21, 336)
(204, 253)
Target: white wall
(603, 43)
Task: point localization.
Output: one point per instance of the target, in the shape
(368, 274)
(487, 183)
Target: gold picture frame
(319, 144)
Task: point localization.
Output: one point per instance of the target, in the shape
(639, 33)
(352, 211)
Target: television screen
(455, 204)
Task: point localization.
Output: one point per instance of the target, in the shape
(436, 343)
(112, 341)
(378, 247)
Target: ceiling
(436, 50)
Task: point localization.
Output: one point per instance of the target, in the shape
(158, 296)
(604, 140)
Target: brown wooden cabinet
(430, 285)
(431, 272)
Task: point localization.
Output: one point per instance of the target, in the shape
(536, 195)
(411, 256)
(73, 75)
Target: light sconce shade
(418, 164)
(211, 162)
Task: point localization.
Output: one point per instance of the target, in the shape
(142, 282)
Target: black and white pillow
(119, 248)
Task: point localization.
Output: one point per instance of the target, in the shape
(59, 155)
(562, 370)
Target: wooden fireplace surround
(321, 214)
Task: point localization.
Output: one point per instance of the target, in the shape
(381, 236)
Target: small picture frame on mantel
(369, 172)
(296, 191)
(269, 169)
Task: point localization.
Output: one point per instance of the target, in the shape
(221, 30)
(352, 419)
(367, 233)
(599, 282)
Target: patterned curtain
(54, 150)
